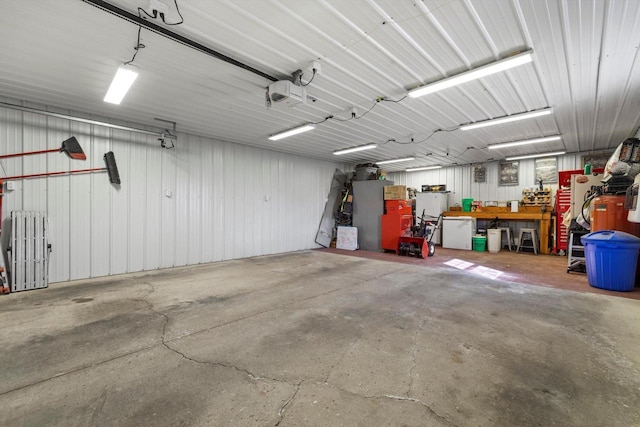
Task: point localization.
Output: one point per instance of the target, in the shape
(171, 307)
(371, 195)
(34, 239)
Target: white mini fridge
(432, 204)
(458, 231)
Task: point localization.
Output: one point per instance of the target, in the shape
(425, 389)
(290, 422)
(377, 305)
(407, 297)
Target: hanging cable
(309, 82)
(179, 14)
(137, 47)
(321, 121)
(155, 15)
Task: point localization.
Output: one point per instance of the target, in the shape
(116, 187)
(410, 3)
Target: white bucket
(514, 205)
(494, 238)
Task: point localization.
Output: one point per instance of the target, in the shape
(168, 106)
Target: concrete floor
(317, 338)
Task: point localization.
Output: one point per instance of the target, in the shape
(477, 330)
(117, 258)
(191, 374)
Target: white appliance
(580, 184)
(284, 92)
(458, 231)
(631, 201)
(432, 204)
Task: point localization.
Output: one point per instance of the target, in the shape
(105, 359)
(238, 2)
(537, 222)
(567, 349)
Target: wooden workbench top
(527, 215)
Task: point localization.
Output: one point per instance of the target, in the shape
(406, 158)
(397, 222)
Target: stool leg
(509, 238)
(519, 241)
(534, 241)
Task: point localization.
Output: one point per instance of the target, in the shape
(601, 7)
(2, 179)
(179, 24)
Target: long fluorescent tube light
(355, 149)
(513, 118)
(404, 159)
(122, 81)
(424, 168)
(533, 156)
(467, 76)
(291, 132)
(524, 142)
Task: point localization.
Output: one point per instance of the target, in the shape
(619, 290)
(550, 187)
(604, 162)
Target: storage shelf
(536, 197)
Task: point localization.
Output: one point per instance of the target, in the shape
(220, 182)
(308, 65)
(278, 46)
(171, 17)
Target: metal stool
(534, 239)
(508, 231)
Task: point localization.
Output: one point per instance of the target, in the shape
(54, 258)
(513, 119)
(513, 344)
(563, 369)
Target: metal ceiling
(586, 67)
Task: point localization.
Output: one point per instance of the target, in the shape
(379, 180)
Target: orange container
(607, 213)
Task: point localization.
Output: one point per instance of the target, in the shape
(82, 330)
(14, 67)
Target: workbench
(543, 218)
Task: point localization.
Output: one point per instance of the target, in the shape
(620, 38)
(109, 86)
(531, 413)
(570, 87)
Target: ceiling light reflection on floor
(459, 264)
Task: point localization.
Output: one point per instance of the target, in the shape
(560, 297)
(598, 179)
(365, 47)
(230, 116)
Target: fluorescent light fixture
(404, 159)
(524, 142)
(513, 118)
(122, 81)
(291, 132)
(424, 168)
(355, 149)
(533, 156)
(467, 76)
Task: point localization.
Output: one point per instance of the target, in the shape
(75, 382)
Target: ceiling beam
(135, 19)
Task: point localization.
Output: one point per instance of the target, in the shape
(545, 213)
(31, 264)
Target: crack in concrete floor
(262, 377)
(287, 403)
(297, 386)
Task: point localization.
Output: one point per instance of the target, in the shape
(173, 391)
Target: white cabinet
(432, 204)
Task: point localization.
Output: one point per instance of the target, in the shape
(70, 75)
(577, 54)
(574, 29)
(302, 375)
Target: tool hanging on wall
(110, 167)
(74, 151)
(71, 147)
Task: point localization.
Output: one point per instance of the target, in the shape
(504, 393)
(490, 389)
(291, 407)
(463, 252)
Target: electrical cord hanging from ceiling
(354, 116)
(413, 141)
(137, 47)
(321, 121)
(309, 82)
(155, 15)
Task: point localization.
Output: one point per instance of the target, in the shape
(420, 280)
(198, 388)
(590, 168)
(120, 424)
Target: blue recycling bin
(611, 258)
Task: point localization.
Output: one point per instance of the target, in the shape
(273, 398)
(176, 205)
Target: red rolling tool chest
(396, 222)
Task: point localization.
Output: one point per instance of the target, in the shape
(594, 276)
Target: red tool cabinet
(396, 222)
(563, 203)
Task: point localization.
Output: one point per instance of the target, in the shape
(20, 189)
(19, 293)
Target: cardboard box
(395, 192)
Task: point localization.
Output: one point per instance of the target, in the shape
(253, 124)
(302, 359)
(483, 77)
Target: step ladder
(575, 255)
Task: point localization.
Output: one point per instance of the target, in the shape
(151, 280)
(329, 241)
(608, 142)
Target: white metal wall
(204, 201)
(459, 180)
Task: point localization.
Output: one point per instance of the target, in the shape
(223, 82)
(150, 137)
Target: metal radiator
(29, 251)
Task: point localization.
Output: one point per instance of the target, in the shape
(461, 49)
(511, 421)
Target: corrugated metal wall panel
(195, 208)
(227, 201)
(137, 187)
(168, 224)
(101, 226)
(33, 191)
(80, 207)
(181, 199)
(58, 201)
(119, 203)
(154, 202)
